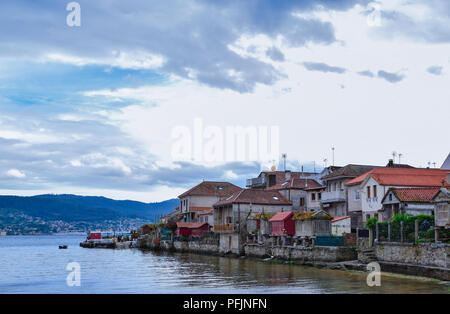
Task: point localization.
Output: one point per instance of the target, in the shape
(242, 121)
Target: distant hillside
(71, 208)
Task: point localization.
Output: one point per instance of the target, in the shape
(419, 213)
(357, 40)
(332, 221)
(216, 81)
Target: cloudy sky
(92, 109)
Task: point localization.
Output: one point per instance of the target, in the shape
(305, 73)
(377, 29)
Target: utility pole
(332, 149)
(284, 157)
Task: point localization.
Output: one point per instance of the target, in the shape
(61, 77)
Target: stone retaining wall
(306, 254)
(423, 254)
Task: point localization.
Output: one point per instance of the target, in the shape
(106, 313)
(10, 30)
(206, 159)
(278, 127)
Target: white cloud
(15, 173)
(135, 60)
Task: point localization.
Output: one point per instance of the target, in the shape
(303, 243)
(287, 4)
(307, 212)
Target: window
(357, 196)
(390, 196)
(368, 192)
(313, 196)
(229, 220)
(374, 191)
(302, 201)
(320, 196)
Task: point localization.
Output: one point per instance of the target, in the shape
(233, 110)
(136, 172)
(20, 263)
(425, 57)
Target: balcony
(256, 182)
(334, 196)
(223, 228)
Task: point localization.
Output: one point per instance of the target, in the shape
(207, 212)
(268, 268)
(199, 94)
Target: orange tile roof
(414, 177)
(281, 216)
(340, 218)
(420, 195)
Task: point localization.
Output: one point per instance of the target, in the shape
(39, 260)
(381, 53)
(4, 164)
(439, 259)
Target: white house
(341, 225)
(378, 181)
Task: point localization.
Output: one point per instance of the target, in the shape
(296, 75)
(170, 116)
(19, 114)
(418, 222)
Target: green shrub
(371, 222)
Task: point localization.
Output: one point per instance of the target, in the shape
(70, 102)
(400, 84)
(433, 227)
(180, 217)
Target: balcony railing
(223, 228)
(334, 196)
(256, 182)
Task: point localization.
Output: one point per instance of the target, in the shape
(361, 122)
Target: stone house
(442, 205)
(334, 198)
(305, 194)
(312, 224)
(231, 215)
(200, 199)
(341, 225)
(267, 179)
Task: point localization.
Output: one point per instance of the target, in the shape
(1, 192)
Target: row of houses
(347, 196)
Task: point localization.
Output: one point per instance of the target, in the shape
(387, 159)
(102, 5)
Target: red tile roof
(210, 188)
(190, 225)
(414, 177)
(250, 196)
(195, 209)
(340, 218)
(206, 212)
(302, 184)
(420, 195)
(281, 216)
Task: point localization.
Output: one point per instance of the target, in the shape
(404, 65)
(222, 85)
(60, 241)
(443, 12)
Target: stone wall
(203, 247)
(423, 254)
(304, 254)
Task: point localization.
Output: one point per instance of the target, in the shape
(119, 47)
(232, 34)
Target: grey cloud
(275, 54)
(390, 77)
(98, 163)
(435, 69)
(366, 73)
(188, 34)
(322, 67)
(432, 28)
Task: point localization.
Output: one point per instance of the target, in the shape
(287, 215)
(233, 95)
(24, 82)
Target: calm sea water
(34, 264)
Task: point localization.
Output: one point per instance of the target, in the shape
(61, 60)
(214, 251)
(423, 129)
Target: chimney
(287, 175)
(391, 163)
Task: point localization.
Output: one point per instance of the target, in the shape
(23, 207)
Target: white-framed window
(357, 196)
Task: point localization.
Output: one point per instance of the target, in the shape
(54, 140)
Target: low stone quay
(425, 259)
(96, 244)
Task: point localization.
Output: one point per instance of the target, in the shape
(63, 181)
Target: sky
(103, 108)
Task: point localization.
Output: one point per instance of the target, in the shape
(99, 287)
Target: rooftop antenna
(434, 164)
(394, 154)
(429, 164)
(400, 158)
(332, 149)
(325, 162)
(284, 158)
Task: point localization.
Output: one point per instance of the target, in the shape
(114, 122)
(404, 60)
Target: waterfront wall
(324, 254)
(422, 254)
(305, 254)
(202, 247)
